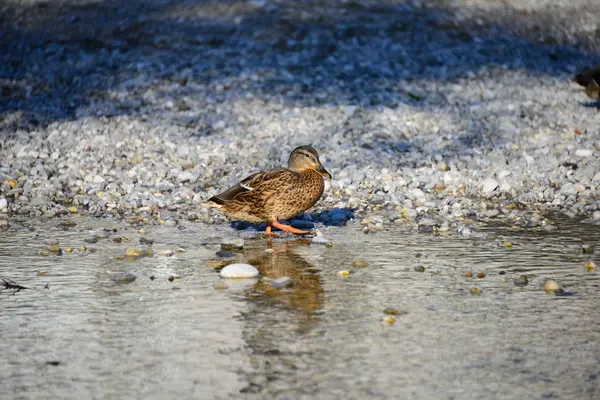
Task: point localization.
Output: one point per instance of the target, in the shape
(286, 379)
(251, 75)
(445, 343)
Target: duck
(590, 80)
(276, 194)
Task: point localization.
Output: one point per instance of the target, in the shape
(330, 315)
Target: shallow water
(76, 334)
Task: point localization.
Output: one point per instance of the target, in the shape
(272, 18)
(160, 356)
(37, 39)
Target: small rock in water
(551, 286)
(481, 275)
(283, 282)
(221, 286)
(167, 253)
(468, 274)
(475, 291)
(131, 252)
(521, 281)
(590, 266)
(121, 277)
(232, 244)
(393, 311)
(149, 242)
(55, 249)
(3, 204)
(239, 270)
(319, 240)
(388, 320)
(343, 273)
(225, 253)
(587, 249)
(420, 268)
(464, 231)
(360, 264)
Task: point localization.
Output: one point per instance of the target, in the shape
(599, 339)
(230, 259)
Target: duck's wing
(262, 182)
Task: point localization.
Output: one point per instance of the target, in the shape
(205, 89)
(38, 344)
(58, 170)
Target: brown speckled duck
(275, 194)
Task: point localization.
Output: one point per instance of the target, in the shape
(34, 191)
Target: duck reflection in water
(280, 260)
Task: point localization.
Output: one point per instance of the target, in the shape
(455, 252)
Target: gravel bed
(427, 113)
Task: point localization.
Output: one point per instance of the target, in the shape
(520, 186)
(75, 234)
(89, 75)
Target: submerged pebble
(131, 252)
(220, 286)
(360, 264)
(320, 240)
(121, 277)
(551, 285)
(521, 281)
(590, 266)
(343, 273)
(475, 291)
(468, 274)
(388, 320)
(283, 282)
(420, 268)
(239, 270)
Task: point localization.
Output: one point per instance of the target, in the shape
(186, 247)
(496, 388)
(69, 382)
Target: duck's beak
(323, 172)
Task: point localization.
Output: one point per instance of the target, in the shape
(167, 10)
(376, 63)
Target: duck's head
(304, 158)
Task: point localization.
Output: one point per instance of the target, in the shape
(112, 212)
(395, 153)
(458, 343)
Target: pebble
(464, 231)
(388, 320)
(131, 252)
(221, 286)
(584, 153)
(121, 277)
(319, 240)
(3, 204)
(521, 281)
(166, 253)
(475, 291)
(343, 273)
(225, 253)
(551, 286)
(360, 264)
(590, 266)
(419, 268)
(239, 270)
(481, 275)
(283, 282)
(229, 244)
(488, 186)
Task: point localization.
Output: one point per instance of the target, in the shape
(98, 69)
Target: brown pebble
(481, 275)
(475, 291)
(468, 274)
(171, 278)
(360, 264)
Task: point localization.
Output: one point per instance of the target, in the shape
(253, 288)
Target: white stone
(319, 240)
(239, 270)
(584, 152)
(3, 204)
(489, 185)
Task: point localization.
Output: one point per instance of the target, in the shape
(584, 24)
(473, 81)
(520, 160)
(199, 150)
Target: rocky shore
(427, 114)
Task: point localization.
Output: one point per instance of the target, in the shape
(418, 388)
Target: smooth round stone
(121, 277)
(319, 240)
(551, 286)
(239, 270)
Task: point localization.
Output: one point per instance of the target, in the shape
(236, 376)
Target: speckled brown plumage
(275, 194)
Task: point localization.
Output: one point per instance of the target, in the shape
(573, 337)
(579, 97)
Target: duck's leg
(287, 229)
(268, 232)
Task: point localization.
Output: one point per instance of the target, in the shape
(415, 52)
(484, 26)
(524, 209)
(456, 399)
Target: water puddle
(463, 328)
